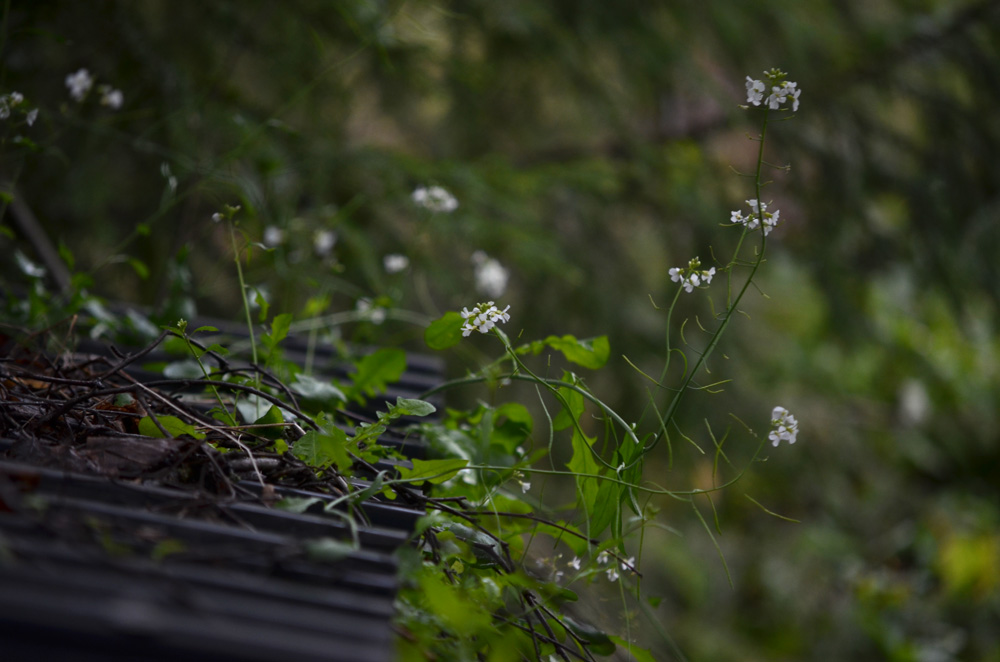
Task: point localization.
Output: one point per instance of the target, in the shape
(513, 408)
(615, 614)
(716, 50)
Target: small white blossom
(31, 116)
(755, 91)
(491, 276)
(216, 217)
(692, 275)
(628, 564)
(394, 263)
(784, 427)
(369, 311)
(324, 241)
(79, 84)
(758, 213)
(169, 176)
(575, 563)
(273, 236)
(602, 558)
(781, 90)
(483, 317)
(435, 198)
(111, 97)
(612, 574)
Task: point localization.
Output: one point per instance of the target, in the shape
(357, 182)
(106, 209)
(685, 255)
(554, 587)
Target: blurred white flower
(324, 241)
(273, 236)
(169, 176)
(435, 198)
(111, 97)
(781, 90)
(369, 311)
(602, 558)
(216, 217)
(612, 574)
(79, 84)
(394, 263)
(483, 317)
(31, 116)
(784, 427)
(575, 563)
(491, 276)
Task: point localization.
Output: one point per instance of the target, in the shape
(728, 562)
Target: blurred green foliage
(589, 144)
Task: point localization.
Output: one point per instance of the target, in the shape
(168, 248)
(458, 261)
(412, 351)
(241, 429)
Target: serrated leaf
(445, 331)
(375, 372)
(173, 425)
(434, 471)
(323, 448)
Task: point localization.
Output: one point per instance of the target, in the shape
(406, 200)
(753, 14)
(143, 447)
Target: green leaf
(575, 404)
(317, 390)
(591, 353)
(329, 550)
(444, 332)
(638, 654)
(272, 417)
(323, 448)
(279, 329)
(597, 641)
(139, 267)
(376, 371)
(515, 427)
(173, 425)
(411, 407)
(435, 471)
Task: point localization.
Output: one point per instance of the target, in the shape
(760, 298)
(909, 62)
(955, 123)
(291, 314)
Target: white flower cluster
(394, 263)
(691, 276)
(781, 90)
(784, 427)
(612, 571)
(758, 213)
(80, 84)
(483, 317)
(10, 101)
(435, 199)
(491, 276)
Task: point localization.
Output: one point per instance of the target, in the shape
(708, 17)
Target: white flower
(628, 564)
(784, 427)
(755, 91)
(14, 98)
(612, 574)
(31, 116)
(394, 263)
(169, 176)
(324, 241)
(525, 486)
(575, 563)
(369, 311)
(435, 199)
(216, 217)
(602, 558)
(111, 97)
(483, 317)
(491, 276)
(273, 236)
(691, 276)
(79, 84)
(758, 213)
